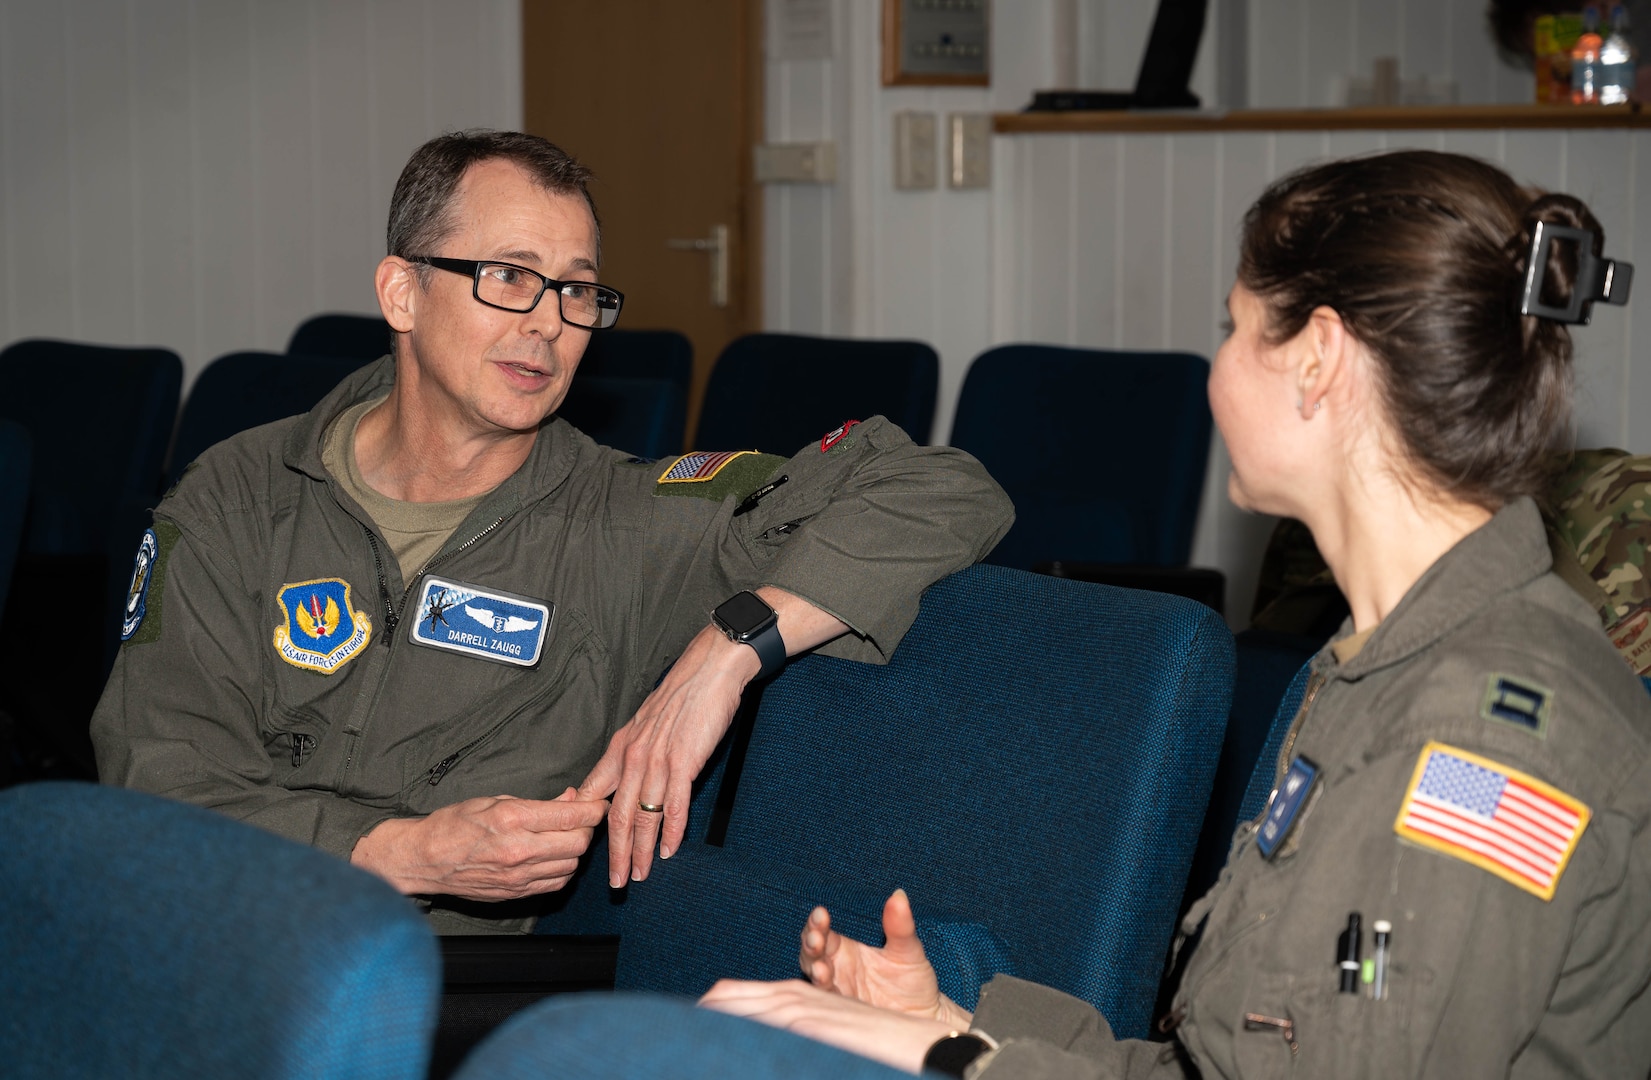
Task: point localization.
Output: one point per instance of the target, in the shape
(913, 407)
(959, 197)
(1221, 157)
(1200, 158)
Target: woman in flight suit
(1470, 772)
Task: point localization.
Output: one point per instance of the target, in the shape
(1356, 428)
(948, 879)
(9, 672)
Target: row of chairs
(1102, 453)
(956, 771)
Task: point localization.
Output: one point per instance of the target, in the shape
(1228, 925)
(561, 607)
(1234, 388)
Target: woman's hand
(898, 976)
(896, 1039)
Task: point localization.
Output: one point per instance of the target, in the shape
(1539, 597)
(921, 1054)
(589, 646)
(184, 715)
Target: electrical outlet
(915, 151)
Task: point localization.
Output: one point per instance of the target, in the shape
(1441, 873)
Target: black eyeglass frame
(472, 268)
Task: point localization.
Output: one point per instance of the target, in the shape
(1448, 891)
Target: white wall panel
(202, 175)
(166, 306)
(34, 87)
(1131, 241)
(1096, 255)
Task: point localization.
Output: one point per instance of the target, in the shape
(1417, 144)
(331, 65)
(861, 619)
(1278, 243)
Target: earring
(1317, 405)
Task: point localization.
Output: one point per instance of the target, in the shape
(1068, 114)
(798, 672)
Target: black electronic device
(1165, 73)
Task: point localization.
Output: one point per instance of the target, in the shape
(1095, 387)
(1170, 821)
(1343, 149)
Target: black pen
(750, 502)
(1347, 953)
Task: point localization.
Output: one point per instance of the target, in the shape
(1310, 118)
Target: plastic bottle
(1616, 62)
(1585, 60)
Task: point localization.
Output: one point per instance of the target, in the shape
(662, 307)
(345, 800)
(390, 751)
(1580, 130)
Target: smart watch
(745, 618)
(952, 1055)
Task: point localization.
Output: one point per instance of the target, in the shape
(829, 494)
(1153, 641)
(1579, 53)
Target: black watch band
(746, 618)
(953, 1054)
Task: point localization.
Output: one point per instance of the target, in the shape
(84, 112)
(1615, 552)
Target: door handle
(717, 245)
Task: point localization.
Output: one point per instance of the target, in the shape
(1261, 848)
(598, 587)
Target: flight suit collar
(1506, 553)
(547, 466)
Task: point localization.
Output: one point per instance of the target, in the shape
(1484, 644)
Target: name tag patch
(1286, 805)
(485, 623)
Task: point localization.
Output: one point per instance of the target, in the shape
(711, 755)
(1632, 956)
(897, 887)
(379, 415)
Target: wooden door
(663, 100)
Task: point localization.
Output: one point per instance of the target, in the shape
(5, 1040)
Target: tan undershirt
(1349, 647)
(415, 531)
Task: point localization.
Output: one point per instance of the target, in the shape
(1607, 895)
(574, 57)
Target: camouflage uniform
(1599, 522)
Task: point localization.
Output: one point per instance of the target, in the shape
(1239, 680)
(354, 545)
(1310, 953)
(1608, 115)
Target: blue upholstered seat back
(356, 337)
(100, 419)
(777, 392)
(644, 417)
(144, 938)
(245, 389)
(1103, 452)
(1032, 766)
(14, 496)
(631, 1036)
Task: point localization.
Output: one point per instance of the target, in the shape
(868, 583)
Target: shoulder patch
(1515, 701)
(321, 631)
(140, 620)
(703, 475)
(832, 438)
(1471, 808)
(699, 466)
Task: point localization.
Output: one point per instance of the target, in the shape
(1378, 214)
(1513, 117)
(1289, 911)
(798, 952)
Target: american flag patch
(699, 466)
(1498, 819)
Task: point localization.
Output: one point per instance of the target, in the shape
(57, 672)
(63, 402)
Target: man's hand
(898, 976)
(654, 758)
(895, 1039)
(495, 848)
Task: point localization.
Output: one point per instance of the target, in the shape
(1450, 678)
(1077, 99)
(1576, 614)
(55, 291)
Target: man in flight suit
(432, 628)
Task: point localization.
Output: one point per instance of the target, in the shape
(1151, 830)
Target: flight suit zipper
(392, 617)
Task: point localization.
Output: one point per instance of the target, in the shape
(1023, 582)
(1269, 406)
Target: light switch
(915, 151)
(969, 150)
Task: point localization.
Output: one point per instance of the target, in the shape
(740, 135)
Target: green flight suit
(207, 704)
(1485, 978)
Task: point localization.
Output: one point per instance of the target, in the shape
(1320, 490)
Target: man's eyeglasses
(509, 287)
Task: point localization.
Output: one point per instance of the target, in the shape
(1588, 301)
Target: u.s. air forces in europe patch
(322, 631)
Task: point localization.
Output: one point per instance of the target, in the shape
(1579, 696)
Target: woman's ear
(1322, 359)
(397, 292)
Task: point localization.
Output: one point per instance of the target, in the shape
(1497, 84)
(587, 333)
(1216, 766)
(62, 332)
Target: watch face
(743, 614)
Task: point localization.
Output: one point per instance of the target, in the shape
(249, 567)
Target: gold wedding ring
(652, 808)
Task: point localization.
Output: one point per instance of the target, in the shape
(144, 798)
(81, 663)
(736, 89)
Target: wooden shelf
(1404, 118)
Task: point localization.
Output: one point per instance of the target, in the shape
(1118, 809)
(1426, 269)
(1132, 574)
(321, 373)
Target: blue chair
(14, 495)
(644, 417)
(99, 419)
(778, 392)
(145, 938)
(358, 337)
(625, 1036)
(242, 390)
(1032, 766)
(1103, 453)
(640, 354)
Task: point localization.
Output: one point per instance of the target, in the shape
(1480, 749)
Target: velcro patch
(137, 593)
(739, 475)
(1498, 819)
(832, 438)
(1520, 702)
(322, 630)
(484, 623)
(699, 466)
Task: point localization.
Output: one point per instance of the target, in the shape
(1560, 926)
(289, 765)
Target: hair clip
(1597, 279)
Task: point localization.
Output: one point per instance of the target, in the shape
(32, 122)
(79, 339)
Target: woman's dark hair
(1423, 255)
(420, 208)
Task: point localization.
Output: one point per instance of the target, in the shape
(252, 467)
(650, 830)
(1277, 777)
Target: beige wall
(203, 174)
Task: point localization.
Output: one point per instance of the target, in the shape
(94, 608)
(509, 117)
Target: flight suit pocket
(292, 741)
(1355, 1034)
